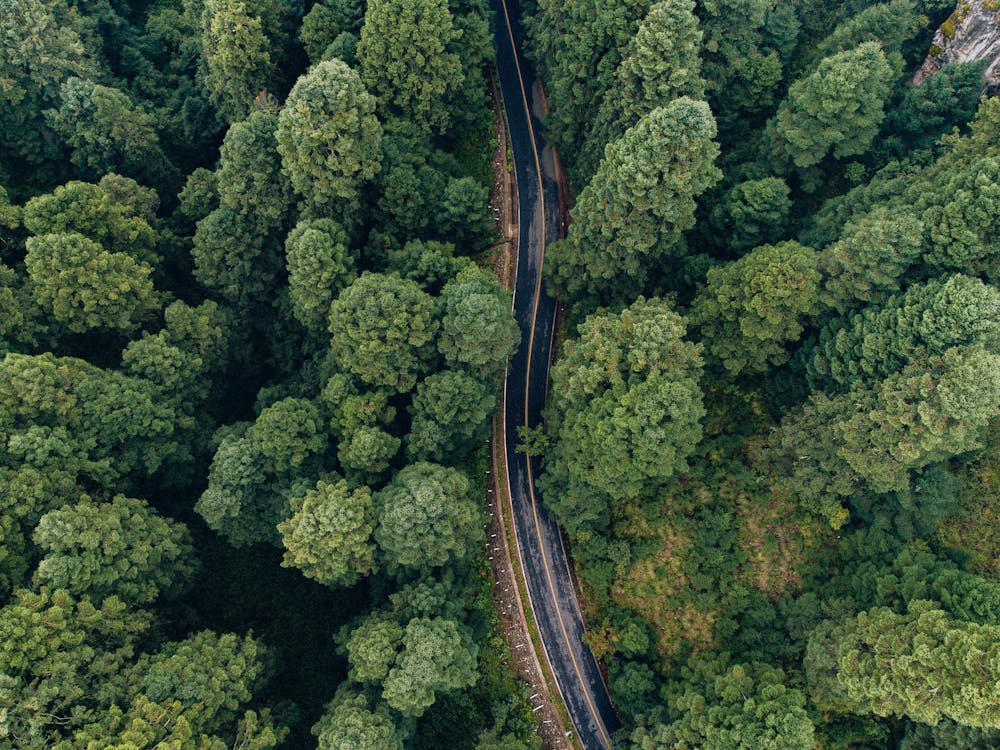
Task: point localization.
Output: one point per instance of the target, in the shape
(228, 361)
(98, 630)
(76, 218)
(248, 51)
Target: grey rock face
(971, 33)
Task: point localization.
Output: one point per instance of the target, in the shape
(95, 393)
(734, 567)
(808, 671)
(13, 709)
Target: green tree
(451, 413)
(637, 207)
(349, 722)
(925, 320)
(835, 109)
(751, 308)
(326, 22)
(45, 42)
(85, 287)
(115, 213)
(478, 331)
(866, 263)
(250, 180)
(658, 65)
(286, 434)
(405, 60)
(121, 548)
(328, 537)
(237, 57)
(108, 133)
(625, 411)
(234, 260)
(436, 658)
(426, 517)
(319, 266)
(744, 707)
(328, 136)
(921, 664)
(383, 330)
(372, 648)
(752, 213)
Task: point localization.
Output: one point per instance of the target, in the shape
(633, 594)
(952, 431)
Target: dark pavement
(539, 543)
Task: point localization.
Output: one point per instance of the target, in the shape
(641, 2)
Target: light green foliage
(658, 65)
(382, 330)
(751, 308)
(866, 263)
(875, 436)
(478, 331)
(372, 649)
(122, 548)
(367, 451)
(625, 410)
(250, 181)
(835, 109)
(286, 434)
(744, 707)
(107, 132)
(237, 57)
(328, 536)
(637, 207)
(319, 266)
(209, 675)
(86, 287)
(349, 724)
(426, 517)
(436, 658)
(116, 214)
(328, 136)
(450, 416)
(922, 664)
(752, 213)
(42, 43)
(926, 320)
(961, 220)
(405, 60)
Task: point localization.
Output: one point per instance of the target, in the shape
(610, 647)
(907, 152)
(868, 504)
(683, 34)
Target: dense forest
(252, 344)
(772, 434)
(251, 348)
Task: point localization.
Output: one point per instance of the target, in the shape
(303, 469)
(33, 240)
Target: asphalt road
(539, 543)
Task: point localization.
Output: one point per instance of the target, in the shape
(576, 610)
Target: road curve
(539, 544)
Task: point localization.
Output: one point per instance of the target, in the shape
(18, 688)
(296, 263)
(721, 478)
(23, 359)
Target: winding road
(539, 543)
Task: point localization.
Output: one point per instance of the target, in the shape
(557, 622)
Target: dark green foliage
(319, 266)
(752, 213)
(634, 213)
(450, 416)
(237, 57)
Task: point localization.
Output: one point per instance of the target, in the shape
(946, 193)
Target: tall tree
(328, 536)
(751, 308)
(625, 412)
(921, 664)
(328, 136)
(405, 60)
(836, 109)
(426, 517)
(319, 266)
(237, 57)
(637, 207)
(120, 548)
(382, 330)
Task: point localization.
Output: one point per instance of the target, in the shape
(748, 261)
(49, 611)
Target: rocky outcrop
(971, 33)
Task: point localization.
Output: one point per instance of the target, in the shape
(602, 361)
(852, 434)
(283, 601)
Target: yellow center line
(531, 339)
